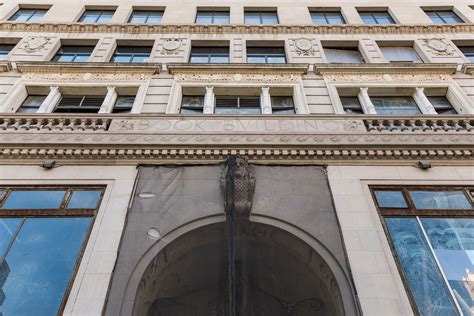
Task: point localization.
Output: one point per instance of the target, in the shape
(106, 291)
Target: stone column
(365, 102)
(109, 101)
(423, 103)
(266, 101)
(50, 101)
(209, 100)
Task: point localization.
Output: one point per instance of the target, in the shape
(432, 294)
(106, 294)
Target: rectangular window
(97, 16)
(237, 105)
(282, 105)
(31, 104)
(431, 230)
(5, 50)
(261, 17)
(376, 17)
(147, 17)
(395, 105)
(343, 55)
(468, 51)
(444, 17)
(212, 17)
(73, 54)
(400, 54)
(123, 104)
(131, 54)
(28, 15)
(209, 55)
(42, 236)
(266, 55)
(441, 105)
(327, 17)
(351, 105)
(192, 105)
(79, 104)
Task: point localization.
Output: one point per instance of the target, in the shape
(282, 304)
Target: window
(97, 16)
(123, 104)
(327, 17)
(395, 105)
(431, 229)
(5, 50)
(282, 105)
(400, 54)
(237, 105)
(343, 55)
(140, 16)
(351, 105)
(444, 17)
(212, 17)
(261, 17)
(73, 53)
(42, 234)
(441, 105)
(31, 104)
(28, 15)
(79, 104)
(376, 17)
(209, 55)
(192, 105)
(468, 51)
(131, 54)
(266, 55)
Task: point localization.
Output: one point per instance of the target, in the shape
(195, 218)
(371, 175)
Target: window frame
(260, 16)
(266, 55)
(99, 16)
(75, 54)
(412, 212)
(324, 14)
(374, 18)
(32, 15)
(438, 16)
(209, 54)
(62, 211)
(213, 15)
(148, 13)
(131, 55)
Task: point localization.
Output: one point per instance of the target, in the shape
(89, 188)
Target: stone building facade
(118, 117)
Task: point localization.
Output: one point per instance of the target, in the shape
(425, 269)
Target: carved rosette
(303, 47)
(170, 46)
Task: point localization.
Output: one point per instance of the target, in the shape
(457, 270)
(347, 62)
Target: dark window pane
(395, 105)
(37, 199)
(468, 51)
(351, 105)
(441, 200)
(8, 228)
(5, 50)
(442, 105)
(40, 263)
(390, 199)
(84, 199)
(453, 243)
(426, 283)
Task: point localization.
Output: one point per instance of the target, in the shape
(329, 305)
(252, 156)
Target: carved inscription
(236, 126)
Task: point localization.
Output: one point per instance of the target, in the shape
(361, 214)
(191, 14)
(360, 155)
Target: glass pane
(400, 54)
(35, 199)
(220, 59)
(81, 58)
(442, 105)
(252, 18)
(367, 18)
(453, 243)
(456, 200)
(105, 17)
(34, 100)
(90, 16)
(221, 18)
(395, 105)
(237, 111)
(8, 227)
(121, 58)
(204, 17)
(390, 199)
(138, 18)
(343, 55)
(40, 263)
(426, 283)
(256, 59)
(276, 59)
(269, 18)
(334, 18)
(193, 101)
(318, 18)
(84, 199)
(199, 59)
(140, 59)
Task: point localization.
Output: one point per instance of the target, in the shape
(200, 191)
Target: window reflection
(34, 199)
(390, 199)
(440, 200)
(84, 199)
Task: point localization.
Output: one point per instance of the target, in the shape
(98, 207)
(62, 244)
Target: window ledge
(384, 68)
(5, 66)
(88, 67)
(238, 68)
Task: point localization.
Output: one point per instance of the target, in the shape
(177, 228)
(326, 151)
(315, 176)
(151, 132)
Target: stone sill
(87, 67)
(237, 28)
(385, 68)
(237, 68)
(468, 69)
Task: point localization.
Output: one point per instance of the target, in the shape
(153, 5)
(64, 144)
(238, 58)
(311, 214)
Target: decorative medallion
(438, 47)
(304, 47)
(34, 44)
(171, 46)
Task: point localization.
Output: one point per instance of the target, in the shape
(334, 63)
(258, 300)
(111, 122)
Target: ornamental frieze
(389, 78)
(238, 78)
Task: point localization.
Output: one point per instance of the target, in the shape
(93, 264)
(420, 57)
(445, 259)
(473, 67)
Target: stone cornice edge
(385, 68)
(233, 68)
(87, 67)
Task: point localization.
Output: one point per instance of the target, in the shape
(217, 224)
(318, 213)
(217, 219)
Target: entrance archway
(277, 274)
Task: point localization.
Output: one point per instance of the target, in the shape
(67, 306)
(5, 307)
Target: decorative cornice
(5, 66)
(237, 68)
(468, 69)
(353, 29)
(385, 68)
(87, 67)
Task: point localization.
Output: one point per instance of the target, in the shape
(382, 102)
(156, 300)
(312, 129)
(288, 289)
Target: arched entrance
(276, 274)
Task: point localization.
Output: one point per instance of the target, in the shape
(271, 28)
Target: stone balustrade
(442, 124)
(75, 124)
